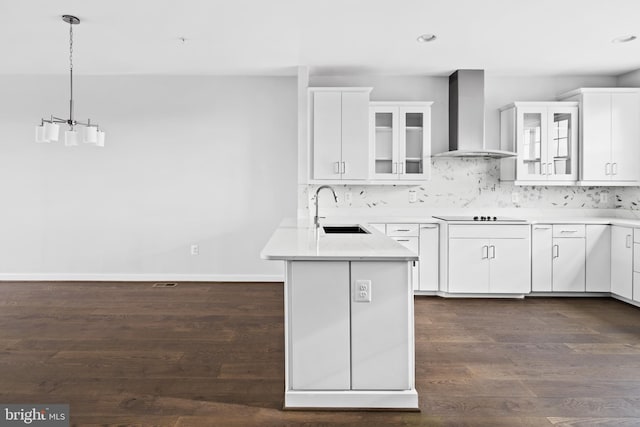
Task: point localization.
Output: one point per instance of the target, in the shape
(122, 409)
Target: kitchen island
(349, 338)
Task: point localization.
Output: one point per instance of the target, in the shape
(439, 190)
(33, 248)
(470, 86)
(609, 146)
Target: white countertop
(298, 240)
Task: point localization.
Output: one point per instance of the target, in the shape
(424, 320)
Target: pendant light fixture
(49, 129)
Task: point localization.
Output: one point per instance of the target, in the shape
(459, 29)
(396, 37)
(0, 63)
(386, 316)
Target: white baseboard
(132, 277)
(352, 399)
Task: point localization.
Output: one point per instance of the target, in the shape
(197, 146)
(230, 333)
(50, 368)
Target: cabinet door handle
(628, 241)
(614, 169)
(556, 251)
(336, 167)
(485, 252)
(400, 168)
(543, 166)
(549, 168)
(607, 168)
(394, 168)
(344, 167)
(493, 251)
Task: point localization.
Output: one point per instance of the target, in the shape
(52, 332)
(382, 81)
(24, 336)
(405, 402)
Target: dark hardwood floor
(212, 354)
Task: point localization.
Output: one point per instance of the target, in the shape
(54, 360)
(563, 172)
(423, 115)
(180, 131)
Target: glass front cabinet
(400, 141)
(545, 136)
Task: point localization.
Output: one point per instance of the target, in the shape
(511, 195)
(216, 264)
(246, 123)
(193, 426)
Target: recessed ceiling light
(624, 39)
(424, 38)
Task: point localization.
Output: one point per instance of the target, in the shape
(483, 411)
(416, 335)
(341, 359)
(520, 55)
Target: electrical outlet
(363, 291)
(195, 250)
(413, 196)
(604, 197)
(348, 197)
(515, 197)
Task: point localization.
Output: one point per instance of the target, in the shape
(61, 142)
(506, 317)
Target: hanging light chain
(71, 47)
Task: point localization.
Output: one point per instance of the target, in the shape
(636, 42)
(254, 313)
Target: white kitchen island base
(349, 327)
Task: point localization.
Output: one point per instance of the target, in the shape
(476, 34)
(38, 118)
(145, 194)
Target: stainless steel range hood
(466, 117)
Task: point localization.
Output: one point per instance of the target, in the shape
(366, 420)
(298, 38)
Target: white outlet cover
(515, 197)
(413, 196)
(363, 291)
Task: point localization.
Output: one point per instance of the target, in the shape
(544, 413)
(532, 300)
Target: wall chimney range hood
(466, 117)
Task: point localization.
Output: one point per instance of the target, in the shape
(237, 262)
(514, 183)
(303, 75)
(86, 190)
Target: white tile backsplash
(470, 183)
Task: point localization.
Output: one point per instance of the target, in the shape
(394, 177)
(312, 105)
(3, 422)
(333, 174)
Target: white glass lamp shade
(51, 131)
(91, 135)
(40, 134)
(101, 136)
(70, 138)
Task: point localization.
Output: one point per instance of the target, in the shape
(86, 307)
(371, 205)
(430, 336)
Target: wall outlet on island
(413, 196)
(363, 291)
(515, 197)
(195, 250)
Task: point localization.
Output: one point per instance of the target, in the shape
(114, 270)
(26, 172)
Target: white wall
(188, 160)
(630, 79)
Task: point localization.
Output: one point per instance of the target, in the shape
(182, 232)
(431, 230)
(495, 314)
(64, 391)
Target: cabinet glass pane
(561, 144)
(532, 142)
(384, 142)
(414, 143)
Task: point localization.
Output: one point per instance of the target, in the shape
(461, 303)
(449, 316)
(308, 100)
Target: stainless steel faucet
(316, 219)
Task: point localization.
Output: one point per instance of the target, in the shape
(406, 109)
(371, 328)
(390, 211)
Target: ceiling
(273, 37)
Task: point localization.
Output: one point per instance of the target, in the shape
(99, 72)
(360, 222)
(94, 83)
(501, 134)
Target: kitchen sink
(344, 229)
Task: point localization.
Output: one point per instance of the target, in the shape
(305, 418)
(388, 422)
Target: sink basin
(344, 229)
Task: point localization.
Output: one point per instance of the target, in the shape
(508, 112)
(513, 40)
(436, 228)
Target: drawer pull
(614, 169)
(628, 242)
(556, 251)
(403, 240)
(607, 168)
(403, 229)
(429, 226)
(542, 228)
(568, 231)
(336, 167)
(493, 251)
(485, 252)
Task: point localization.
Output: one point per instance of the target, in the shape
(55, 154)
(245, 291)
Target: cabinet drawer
(403, 230)
(410, 243)
(495, 231)
(568, 230)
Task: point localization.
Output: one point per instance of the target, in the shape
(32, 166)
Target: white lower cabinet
(598, 268)
(541, 258)
(636, 265)
(354, 345)
(489, 259)
(569, 258)
(424, 240)
(379, 329)
(320, 339)
(569, 261)
(622, 261)
(429, 265)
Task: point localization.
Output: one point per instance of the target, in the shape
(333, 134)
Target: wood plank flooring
(212, 354)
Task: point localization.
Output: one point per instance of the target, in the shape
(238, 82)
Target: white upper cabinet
(400, 141)
(609, 135)
(545, 136)
(340, 133)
